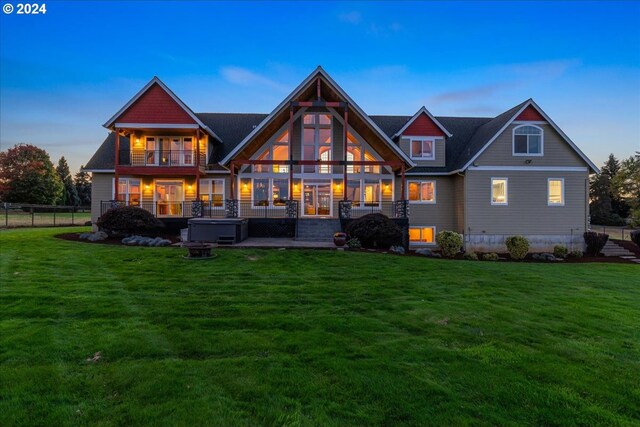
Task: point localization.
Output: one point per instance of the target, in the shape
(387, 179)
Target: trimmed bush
(575, 254)
(518, 246)
(128, 220)
(595, 242)
(471, 256)
(450, 243)
(560, 251)
(635, 237)
(490, 257)
(375, 231)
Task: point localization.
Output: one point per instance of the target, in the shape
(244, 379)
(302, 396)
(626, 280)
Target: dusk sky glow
(64, 73)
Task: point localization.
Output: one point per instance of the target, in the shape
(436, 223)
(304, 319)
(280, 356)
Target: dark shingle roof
(470, 134)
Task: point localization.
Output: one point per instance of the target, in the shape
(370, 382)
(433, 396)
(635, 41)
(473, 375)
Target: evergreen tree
(83, 187)
(69, 193)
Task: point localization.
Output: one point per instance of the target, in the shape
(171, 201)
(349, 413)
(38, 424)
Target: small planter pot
(340, 239)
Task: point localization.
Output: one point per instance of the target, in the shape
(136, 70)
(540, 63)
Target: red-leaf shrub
(595, 242)
(128, 220)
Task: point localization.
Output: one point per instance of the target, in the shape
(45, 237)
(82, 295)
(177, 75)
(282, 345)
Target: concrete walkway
(279, 242)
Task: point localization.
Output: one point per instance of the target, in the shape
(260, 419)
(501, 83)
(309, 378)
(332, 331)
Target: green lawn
(270, 337)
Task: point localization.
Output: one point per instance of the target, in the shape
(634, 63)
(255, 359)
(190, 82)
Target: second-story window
(317, 141)
(527, 141)
(422, 148)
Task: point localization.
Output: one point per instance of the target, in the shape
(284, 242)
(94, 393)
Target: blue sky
(65, 73)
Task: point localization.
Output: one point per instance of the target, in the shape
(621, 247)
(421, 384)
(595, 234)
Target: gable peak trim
(422, 110)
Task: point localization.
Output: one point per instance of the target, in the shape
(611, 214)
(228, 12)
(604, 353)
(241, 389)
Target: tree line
(614, 193)
(27, 175)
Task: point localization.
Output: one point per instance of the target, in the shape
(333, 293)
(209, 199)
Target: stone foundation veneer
(537, 242)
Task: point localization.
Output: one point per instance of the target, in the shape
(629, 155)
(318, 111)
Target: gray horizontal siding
(440, 153)
(527, 211)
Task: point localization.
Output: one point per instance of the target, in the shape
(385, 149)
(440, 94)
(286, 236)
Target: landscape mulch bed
(74, 237)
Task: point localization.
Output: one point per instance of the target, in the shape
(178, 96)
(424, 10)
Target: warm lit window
(527, 141)
(422, 191)
(371, 193)
(280, 191)
(267, 189)
(260, 192)
(555, 192)
(422, 148)
(279, 150)
(212, 190)
(353, 192)
(499, 191)
(129, 190)
(316, 141)
(424, 235)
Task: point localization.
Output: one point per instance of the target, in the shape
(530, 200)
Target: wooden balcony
(160, 162)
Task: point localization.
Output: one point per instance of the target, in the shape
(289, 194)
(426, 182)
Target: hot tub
(218, 230)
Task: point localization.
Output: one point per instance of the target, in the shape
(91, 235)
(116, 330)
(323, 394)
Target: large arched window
(527, 141)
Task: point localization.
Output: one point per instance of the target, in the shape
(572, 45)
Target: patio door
(317, 198)
(169, 196)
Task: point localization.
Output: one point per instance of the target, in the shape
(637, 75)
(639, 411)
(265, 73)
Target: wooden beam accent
(198, 164)
(345, 143)
(335, 104)
(318, 162)
(404, 180)
(318, 89)
(290, 138)
(232, 169)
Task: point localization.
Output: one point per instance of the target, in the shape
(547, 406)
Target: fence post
(73, 209)
(54, 216)
(32, 223)
(6, 214)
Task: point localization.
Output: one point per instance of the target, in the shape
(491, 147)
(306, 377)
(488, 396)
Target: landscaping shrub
(128, 220)
(471, 256)
(490, 257)
(518, 246)
(560, 251)
(635, 237)
(595, 242)
(375, 231)
(575, 254)
(449, 242)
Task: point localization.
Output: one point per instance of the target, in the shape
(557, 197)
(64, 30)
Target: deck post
(404, 179)
(344, 157)
(116, 180)
(197, 164)
(232, 169)
(290, 152)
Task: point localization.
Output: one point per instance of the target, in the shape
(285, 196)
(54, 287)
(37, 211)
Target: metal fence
(618, 233)
(28, 215)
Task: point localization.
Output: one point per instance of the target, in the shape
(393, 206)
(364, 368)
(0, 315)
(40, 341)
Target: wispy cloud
(540, 69)
(354, 17)
(244, 77)
(470, 94)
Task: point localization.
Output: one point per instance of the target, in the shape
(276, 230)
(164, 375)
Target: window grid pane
(499, 191)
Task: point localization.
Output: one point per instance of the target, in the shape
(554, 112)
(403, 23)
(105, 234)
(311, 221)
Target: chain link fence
(617, 233)
(27, 215)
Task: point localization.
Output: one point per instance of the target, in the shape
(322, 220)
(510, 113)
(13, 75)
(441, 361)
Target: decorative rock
(424, 251)
(95, 237)
(84, 236)
(145, 241)
(397, 249)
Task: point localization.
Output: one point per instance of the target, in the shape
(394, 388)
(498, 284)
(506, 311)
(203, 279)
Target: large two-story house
(319, 157)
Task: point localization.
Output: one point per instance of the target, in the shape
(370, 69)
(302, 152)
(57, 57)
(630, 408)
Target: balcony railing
(211, 209)
(354, 209)
(161, 158)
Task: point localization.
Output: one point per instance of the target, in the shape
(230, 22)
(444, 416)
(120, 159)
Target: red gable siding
(423, 126)
(155, 106)
(530, 114)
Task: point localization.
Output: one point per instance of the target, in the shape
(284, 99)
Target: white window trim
(506, 191)
(128, 193)
(222, 182)
(513, 142)
(157, 150)
(422, 202)
(422, 139)
(562, 192)
(421, 243)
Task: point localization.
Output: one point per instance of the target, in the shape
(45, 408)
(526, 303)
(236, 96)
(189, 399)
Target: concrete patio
(280, 242)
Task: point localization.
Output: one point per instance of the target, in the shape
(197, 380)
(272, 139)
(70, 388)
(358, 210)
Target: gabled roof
(422, 110)
(318, 72)
(155, 80)
(486, 134)
(104, 159)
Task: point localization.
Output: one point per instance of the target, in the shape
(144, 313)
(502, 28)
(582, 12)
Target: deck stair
(317, 229)
(613, 249)
(226, 240)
